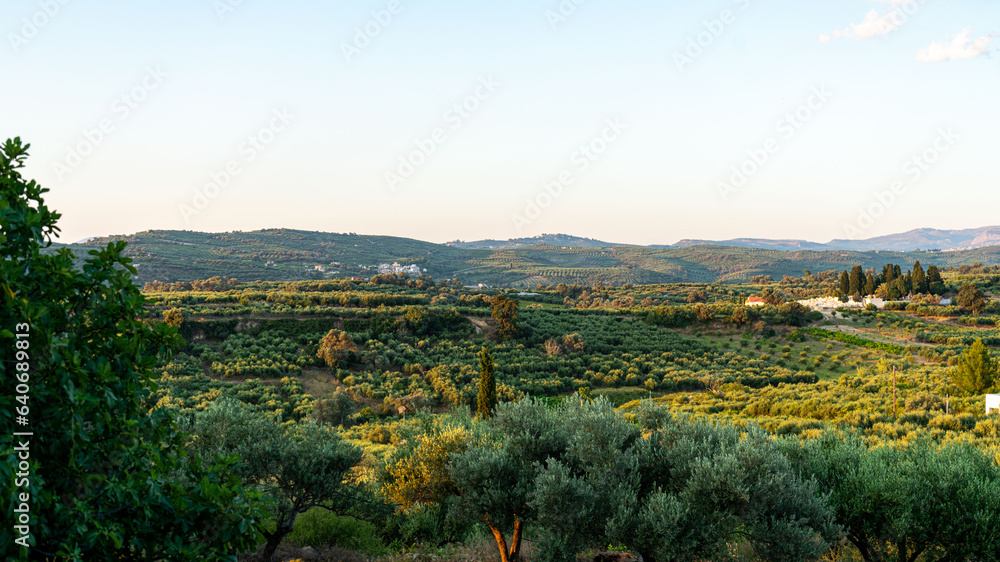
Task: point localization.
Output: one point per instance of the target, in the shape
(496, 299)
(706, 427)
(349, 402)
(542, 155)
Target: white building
(396, 268)
(879, 303)
(992, 403)
(754, 301)
(821, 303)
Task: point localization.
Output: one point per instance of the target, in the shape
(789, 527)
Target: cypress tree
(935, 284)
(856, 281)
(486, 402)
(870, 284)
(888, 273)
(919, 279)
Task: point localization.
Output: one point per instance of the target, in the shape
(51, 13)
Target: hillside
(283, 254)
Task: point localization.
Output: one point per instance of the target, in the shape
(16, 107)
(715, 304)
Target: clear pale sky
(332, 113)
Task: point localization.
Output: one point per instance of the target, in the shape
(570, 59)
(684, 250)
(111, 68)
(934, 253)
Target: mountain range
(914, 240)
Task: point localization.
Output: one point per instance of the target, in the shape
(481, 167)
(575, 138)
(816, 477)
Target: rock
(309, 554)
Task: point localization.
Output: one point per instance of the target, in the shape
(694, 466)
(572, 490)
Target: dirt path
(482, 326)
(872, 335)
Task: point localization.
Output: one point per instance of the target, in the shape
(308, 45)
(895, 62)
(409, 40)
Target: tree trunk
(515, 542)
(513, 554)
(861, 543)
(274, 539)
(501, 543)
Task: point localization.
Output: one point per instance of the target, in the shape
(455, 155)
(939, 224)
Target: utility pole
(894, 393)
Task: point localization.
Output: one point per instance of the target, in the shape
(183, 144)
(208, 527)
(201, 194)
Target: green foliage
(335, 409)
(297, 467)
(943, 503)
(183, 256)
(107, 479)
(416, 473)
(182, 386)
(855, 340)
(970, 297)
(319, 527)
(173, 317)
(334, 346)
(505, 313)
(583, 475)
(486, 400)
(977, 370)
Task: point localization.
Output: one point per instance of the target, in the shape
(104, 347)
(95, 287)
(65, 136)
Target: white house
(879, 303)
(822, 303)
(992, 403)
(755, 301)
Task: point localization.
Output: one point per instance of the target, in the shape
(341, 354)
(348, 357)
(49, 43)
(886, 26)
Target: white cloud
(873, 25)
(961, 47)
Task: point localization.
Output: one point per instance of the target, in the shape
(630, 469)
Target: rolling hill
(284, 254)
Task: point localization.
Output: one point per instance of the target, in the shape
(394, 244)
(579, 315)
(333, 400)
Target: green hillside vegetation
(228, 418)
(170, 256)
(413, 367)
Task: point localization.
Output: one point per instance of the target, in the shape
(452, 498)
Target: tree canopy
(108, 477)
(296, 466)
(977, 370)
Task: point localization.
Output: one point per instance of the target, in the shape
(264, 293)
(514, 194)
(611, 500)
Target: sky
(634, 121)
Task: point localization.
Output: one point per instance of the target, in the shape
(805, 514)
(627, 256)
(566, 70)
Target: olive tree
(296, 466)
(580, 475)
(699, 487)
(938, 502)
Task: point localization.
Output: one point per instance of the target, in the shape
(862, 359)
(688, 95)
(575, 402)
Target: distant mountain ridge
(918, 239)
(287, 254)
(540, 240)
